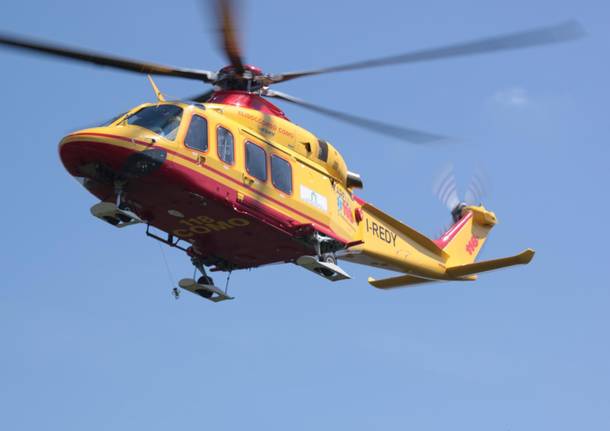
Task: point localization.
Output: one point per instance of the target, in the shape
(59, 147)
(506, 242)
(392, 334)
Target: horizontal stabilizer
(522, 258)
(400, 281)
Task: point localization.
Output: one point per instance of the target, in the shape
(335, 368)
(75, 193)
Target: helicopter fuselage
(279, 192)
(245, 188)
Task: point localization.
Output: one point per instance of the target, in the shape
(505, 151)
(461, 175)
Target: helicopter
(227, 178)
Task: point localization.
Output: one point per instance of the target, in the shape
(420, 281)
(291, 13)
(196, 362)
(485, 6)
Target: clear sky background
(92, 339)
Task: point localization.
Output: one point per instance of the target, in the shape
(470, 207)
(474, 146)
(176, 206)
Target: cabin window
(164, 120)
(281, 174)
(226, 149)
(197, 135)
(256, 161)
(322, 150)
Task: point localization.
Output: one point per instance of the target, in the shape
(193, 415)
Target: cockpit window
(164, 120)
(112, 120)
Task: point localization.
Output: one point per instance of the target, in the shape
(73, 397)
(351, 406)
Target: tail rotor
(445, 188)
(447, 191)
(477, 189)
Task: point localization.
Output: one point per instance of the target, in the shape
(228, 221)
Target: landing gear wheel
(328, 258)
(124, 218)
(113, 221)
(208, 281)
(204, 279)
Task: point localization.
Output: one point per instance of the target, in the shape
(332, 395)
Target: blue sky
(91, 337)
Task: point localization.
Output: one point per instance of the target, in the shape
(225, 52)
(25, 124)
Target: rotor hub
(232, 78)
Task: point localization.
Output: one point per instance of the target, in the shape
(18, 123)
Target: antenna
(158, 93)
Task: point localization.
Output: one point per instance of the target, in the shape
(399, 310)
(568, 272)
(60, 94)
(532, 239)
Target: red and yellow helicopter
(229, 179)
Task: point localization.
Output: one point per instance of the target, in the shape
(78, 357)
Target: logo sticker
(316, 199)
(472, 244)
(343, 207)
(203, 225)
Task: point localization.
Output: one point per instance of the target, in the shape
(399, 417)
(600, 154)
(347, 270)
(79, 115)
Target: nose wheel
(116, 213)
(110, 213)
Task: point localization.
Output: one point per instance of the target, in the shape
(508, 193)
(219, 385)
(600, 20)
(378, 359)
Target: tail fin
(464, 240)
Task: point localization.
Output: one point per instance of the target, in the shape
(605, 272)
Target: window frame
(271, 156)
(246, 142)
(186, 133)
(124, 119)
(218, 126)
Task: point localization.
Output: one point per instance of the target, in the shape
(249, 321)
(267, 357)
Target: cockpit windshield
(112, 120)
(164, 120)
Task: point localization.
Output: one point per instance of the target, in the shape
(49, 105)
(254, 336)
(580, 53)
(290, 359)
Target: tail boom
(385, 242)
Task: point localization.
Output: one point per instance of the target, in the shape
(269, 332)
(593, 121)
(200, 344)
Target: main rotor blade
(403, 133)
(540, 36)
(229, 33)
(103, 60)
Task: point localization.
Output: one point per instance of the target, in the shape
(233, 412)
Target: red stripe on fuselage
(317, 224)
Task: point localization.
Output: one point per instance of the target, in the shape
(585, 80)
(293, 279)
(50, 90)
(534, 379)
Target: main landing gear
(324, 265)
(204, 286)
(120, 215)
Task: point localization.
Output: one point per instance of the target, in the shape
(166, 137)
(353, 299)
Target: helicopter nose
(144, 162)
(94, 154)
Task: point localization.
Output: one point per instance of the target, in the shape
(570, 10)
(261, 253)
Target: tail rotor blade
(445, 188)
(477, 188)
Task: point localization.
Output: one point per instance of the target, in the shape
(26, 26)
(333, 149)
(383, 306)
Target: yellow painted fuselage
(296, 200)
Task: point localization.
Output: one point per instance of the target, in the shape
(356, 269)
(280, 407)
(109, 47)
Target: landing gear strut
(117, 214)
(324, 263)
(204, 286)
